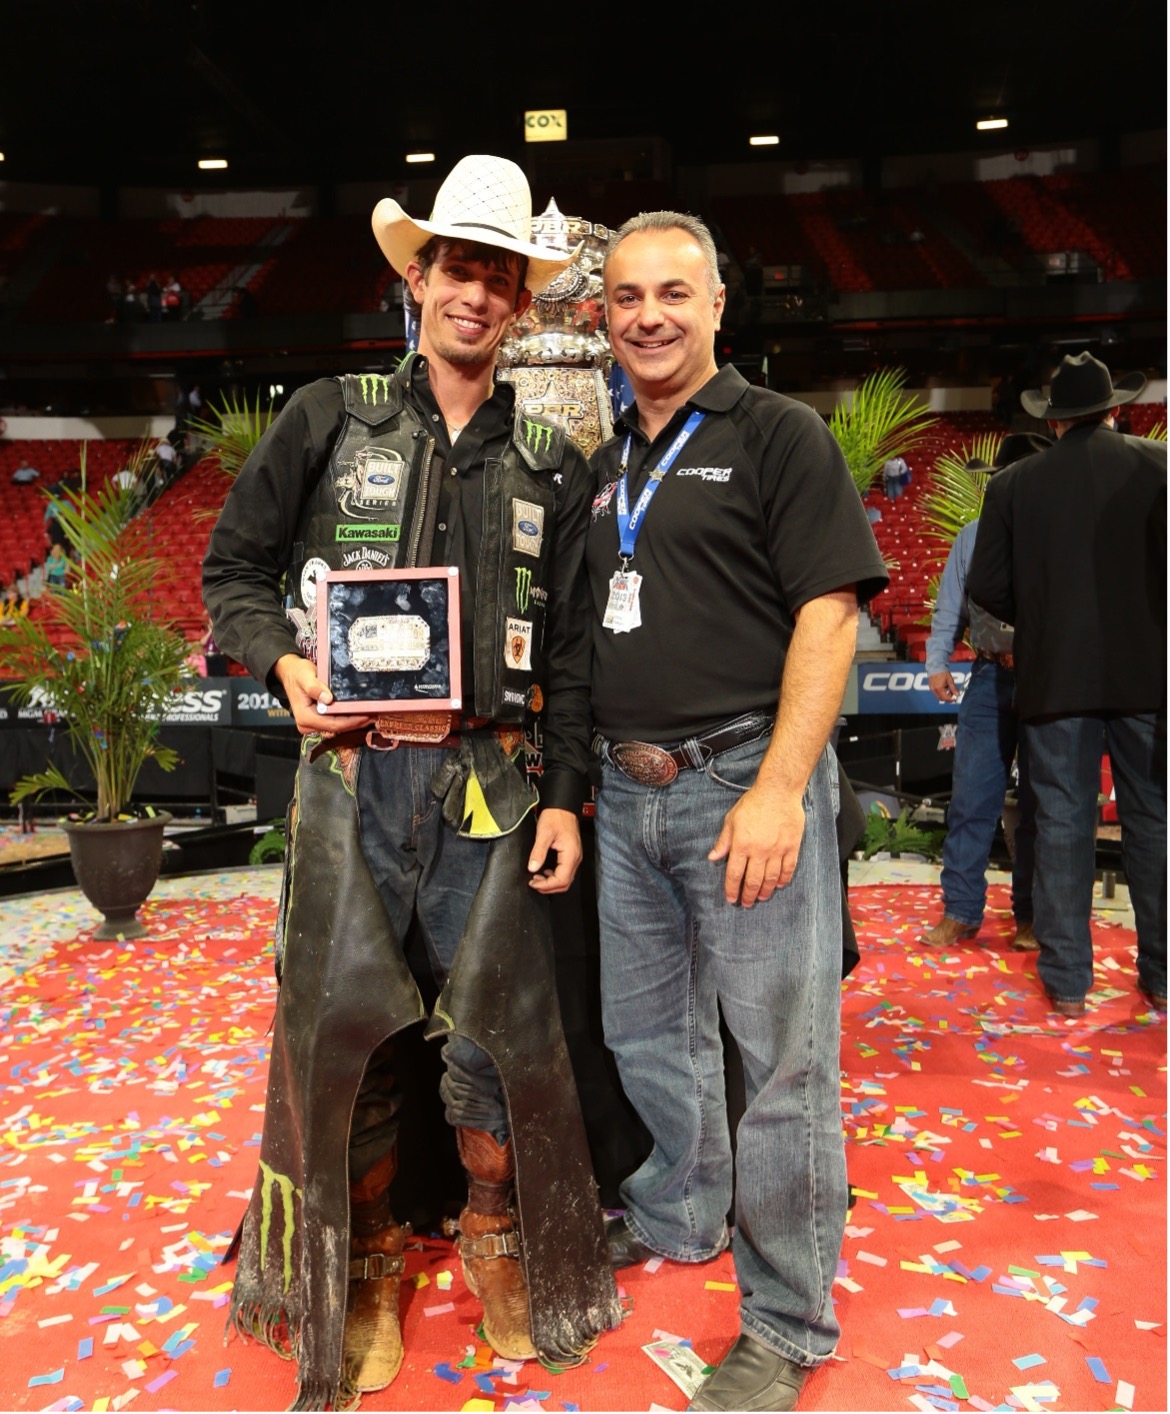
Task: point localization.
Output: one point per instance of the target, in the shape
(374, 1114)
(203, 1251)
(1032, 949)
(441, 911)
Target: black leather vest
(375, 508)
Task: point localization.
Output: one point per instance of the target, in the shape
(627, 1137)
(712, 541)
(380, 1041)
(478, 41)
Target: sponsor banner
(38, 712)
(254, 706)
(206, 703)
(903, 688)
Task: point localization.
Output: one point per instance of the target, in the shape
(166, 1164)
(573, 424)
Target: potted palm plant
(107, 664)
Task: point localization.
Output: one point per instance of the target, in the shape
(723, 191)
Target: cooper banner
(904, 688)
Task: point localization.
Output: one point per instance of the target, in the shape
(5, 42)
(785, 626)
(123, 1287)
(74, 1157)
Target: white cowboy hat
(485, 200)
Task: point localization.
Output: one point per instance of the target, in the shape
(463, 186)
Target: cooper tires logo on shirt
(721, 474)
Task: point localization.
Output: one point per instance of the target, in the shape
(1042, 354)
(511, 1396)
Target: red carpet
(1009, 1252)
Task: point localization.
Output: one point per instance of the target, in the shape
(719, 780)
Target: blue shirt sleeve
(949, 621)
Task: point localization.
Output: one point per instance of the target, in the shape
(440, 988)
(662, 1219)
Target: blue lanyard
(630, 523)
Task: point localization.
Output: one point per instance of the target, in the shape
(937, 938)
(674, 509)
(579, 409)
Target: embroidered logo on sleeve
(601, 501)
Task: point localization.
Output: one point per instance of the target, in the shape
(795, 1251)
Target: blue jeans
(987, 741)
(420, 865)
(673, 952)
(1065, 757)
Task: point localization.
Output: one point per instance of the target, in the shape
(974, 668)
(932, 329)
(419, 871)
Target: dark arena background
(965, 194)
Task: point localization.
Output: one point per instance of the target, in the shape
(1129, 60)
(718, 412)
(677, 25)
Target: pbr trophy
(558, 353)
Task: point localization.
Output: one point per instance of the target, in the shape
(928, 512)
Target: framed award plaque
(388, 640)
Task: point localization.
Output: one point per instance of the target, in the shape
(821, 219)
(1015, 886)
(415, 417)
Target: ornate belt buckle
(421, 728)
(648, 765)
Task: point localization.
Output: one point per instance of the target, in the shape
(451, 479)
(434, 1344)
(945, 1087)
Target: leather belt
(1003, 660)
(651, 765)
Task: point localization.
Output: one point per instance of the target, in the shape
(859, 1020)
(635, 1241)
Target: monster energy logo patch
(270, 1181)
(375, 387)
(363, 530)
(537, 435)
(527, 592)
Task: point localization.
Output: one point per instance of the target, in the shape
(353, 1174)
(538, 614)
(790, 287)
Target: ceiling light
(212, 164)
(1, 157)
(420, 156)
(764, 140)
(985, 125)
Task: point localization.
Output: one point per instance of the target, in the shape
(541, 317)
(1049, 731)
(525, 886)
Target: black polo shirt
(757, 515)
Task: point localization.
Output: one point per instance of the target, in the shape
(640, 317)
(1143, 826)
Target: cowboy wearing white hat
(430, 465)
(485, 200)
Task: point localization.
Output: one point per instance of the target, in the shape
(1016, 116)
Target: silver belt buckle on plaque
(390, 643)
(647, 764)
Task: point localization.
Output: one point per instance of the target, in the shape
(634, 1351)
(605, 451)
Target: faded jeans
(673, 952)
(987, 740)
(420, 865)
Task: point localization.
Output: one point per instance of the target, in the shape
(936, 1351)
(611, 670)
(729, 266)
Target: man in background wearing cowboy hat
(1072, 550)
(422, 816)
(986, 743)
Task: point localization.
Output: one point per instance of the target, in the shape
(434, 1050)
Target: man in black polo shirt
(727, 556)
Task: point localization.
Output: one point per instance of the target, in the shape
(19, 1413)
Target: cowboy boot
(489, 1245)
(372, 1350)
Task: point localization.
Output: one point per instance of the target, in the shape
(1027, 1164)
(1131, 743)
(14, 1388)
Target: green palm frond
(954, 497)
(233, 430)
(1157, 433)
(98, 652)
(881, 421)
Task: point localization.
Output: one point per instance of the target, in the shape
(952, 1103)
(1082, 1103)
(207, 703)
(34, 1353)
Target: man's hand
(555, 830)
(943, 686)
(760, 840)
(304, 690)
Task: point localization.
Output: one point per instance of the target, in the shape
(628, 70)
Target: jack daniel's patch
(527, 527)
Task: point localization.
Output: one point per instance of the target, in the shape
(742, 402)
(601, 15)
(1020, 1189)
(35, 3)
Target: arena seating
(18, 232)
(22, 521)
(850, 239)
(201, 252)
(327, 266)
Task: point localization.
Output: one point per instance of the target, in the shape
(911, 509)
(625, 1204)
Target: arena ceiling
(134, 91)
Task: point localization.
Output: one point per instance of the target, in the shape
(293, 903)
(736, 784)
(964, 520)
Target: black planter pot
(116, 866)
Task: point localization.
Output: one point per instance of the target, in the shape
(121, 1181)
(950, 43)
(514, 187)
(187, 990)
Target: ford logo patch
(528, 527)
(380, 478)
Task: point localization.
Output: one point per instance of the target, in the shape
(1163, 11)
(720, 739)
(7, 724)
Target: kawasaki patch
(363, 530)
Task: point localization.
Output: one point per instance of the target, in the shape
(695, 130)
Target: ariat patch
(518, 644)
(527, 527)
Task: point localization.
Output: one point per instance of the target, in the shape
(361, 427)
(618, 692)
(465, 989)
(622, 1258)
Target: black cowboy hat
(1081, 385)
(1014, 447)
